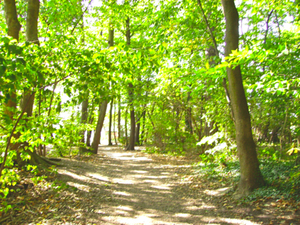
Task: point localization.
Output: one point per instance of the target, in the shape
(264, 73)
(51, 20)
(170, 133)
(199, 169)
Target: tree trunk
(11, 17)
(251, 177)
(126, 122)
(131, 143)
(188, 116)
(142, 139)
(84, 116)
(32, 21)
(114, 125)
(97, 135)
(119, 119)
(13, 30)
(90, 121)
(110, 122)
(31, 36)
(137, 132)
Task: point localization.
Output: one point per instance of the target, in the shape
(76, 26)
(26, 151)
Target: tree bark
(131, 143)
(125, 127)
(97, 136)
(110, 122)
(137, 131)
(31, 36)
(251, 177)
(32, 21)
(84, 117)
(188, 116)
(119, 119)
(13, 30)
(142, 139)
(11, 17)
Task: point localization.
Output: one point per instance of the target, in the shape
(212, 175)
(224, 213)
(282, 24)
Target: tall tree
(31, 36)
(103, 105)
(131, 142)
(13, 30)
(251, 177)
(110, 122)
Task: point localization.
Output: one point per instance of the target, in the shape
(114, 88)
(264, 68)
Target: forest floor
(131, 187)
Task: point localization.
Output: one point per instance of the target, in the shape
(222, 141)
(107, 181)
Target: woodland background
(156, 70)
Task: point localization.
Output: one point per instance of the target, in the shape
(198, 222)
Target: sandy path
(119, 187)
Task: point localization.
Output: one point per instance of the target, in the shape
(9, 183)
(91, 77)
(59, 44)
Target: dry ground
(121, 187)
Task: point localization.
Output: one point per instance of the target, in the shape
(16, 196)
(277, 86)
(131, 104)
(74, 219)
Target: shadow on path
(122, 187)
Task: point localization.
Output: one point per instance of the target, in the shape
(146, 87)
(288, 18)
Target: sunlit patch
(161, 187)
(73, 175)
(184, 215)
(218, 192)
(200, 207)
(123, 181)
(125, 208)
(99, 177)
(165, 173)
(126, 156)
(212, 220)
(139, 171)
(79, 186)
(151, 177)
(99, 211)
(149, 181)
(121, 193)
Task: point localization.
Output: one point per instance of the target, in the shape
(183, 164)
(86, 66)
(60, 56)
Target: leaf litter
(122, 187)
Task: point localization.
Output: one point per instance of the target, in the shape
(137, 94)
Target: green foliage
(282, 181)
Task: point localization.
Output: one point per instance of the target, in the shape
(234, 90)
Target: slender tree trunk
(188, 116)
(137, 132)
(85, 102)
(90, 121)
(131, 143)
(126, 130)
(11, 17)
(97, 135)
(13, 30)
(143, 126)
(119, 119)
(110, 122)
(84, 117)
(103, 106)
(114, 124)
(251, 177)
(31, 36)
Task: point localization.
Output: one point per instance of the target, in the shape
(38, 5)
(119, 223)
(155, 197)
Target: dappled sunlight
(122, 193)
(73, 175)
(99, 177)
(123, 181)
(126, 191)
(213, 220)
(184, 215)
(162, 187)
(139, 171)
(218, 192)
(149, 181)
(126, 156)
(81, 187)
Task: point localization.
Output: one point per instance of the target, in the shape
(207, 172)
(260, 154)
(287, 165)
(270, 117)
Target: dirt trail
(120, 187)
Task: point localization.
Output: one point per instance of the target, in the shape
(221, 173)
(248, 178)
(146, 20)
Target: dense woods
(215, 80)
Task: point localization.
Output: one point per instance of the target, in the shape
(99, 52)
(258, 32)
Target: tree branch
(209, 28)
(80, 18)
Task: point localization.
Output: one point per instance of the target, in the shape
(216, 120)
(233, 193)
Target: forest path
(130, 188)
(122, 187)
